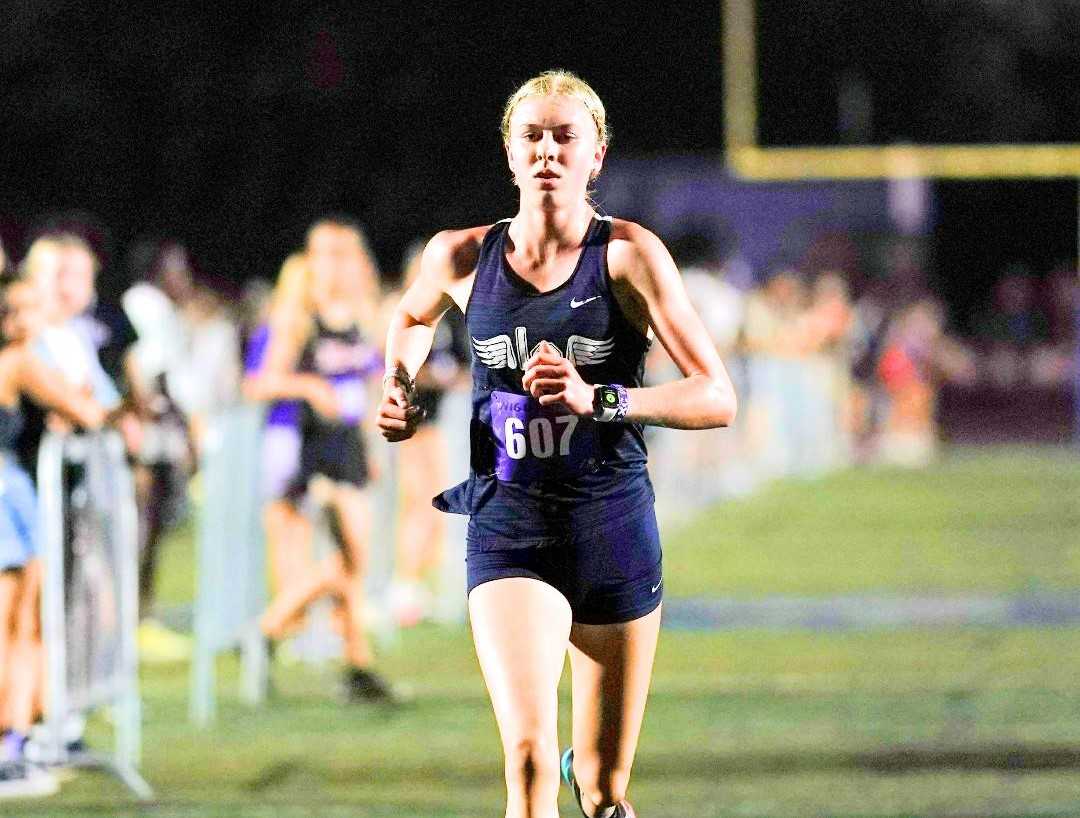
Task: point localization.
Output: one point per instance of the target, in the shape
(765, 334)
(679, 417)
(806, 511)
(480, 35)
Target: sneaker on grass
(20, 779)
(364, 686)
(566, 765)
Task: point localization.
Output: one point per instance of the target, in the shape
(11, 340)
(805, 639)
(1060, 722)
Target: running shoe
(622, 810)
(20, 779)
(363, 686)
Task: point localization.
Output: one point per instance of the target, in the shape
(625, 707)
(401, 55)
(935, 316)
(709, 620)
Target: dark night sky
(232, 127)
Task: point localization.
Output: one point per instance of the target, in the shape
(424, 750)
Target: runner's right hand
(398, 418)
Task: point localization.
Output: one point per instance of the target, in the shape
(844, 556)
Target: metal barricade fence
(789, 424)
(90, 605)
(230, 558)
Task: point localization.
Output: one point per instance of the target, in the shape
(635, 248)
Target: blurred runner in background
(288, 534)
(326, 365)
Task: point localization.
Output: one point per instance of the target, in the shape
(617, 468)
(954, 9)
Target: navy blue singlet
(538, 473)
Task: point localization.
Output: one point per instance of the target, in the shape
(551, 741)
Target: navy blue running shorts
(611, 573)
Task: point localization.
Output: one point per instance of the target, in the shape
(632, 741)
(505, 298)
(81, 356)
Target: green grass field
(1002, 521)
(747, 723)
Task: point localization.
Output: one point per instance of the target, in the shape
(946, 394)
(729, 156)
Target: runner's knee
(530, 759)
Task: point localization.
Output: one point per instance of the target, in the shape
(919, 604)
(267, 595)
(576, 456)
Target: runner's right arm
(446, 274)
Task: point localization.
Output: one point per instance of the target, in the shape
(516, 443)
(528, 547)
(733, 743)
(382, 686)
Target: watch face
(610, 398)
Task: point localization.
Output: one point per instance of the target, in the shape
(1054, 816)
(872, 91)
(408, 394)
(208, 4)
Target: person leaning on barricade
(109, 331)
(58, 343)
(22, 372)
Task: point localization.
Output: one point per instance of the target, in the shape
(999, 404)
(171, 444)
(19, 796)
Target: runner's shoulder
(633, 249)
(454, 253)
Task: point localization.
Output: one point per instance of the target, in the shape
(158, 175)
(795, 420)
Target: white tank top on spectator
(66, 350)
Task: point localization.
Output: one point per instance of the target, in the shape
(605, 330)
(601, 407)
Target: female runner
(560, 304)
(325, 365)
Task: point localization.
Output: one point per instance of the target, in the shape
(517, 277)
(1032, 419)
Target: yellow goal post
(749, 160)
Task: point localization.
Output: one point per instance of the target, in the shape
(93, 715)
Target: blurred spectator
(829, 323)
(205, 376)
(775, 341)
(60, 342)
(191, 353)
(188, 368)
(21, 649)
(708, 283)
(870, 324)
(773, 323)
(104, 326)
(716, 454)
(1062, 299)
(916, 357)
(1013, 330)
(1052, 363)
(162, 458)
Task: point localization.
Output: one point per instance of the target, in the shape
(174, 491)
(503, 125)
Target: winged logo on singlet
(504, 352)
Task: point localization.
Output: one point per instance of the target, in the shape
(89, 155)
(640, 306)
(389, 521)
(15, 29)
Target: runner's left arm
(649, 287)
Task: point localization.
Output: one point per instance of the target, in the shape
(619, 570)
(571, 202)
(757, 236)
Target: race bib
(535, 442)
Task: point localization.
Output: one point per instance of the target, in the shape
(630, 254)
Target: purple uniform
(335, 448)
(281, 435)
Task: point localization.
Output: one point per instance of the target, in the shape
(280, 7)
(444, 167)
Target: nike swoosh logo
(574, 303)
(656, 587)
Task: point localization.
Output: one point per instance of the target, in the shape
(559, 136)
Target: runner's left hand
(553, 379)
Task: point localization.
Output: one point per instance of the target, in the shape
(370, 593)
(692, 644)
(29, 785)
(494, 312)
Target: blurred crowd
(831, 370)
(834, 369)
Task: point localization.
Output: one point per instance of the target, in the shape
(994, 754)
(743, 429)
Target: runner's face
(553, 151)
(336, 259)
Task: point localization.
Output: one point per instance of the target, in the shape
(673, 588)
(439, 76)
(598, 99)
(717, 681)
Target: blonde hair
(67, 241)
(292, 290)
(36, 262)
(564, 83)
(368, 286)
